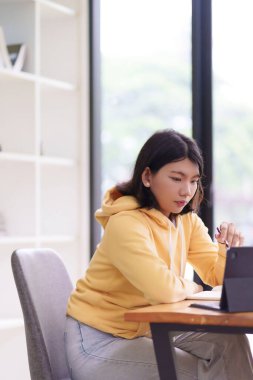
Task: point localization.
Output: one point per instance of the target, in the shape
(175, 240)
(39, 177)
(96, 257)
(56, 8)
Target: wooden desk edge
(181, 313)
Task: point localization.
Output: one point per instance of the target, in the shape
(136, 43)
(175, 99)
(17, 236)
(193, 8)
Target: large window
(146, 73)
(146, 77)
(233, 113)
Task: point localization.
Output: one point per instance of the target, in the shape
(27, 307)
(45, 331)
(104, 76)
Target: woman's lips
(180, 203)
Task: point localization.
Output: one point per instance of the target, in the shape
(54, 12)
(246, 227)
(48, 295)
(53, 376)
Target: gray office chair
(43, 286)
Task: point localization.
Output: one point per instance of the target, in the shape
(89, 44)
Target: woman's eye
(176, 179)
(196, 181)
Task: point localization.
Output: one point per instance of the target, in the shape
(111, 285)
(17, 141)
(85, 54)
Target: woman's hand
(229, 235)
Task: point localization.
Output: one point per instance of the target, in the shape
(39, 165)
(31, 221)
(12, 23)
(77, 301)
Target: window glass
(146, 78)
(233, 113)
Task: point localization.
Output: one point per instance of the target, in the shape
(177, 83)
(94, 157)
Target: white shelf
(56, 83)
(12, 240)
(15, 240)
(58, 239)
(16, 157)
(57, 161)
(7, 74)
(49, 8)
(9, 324)
(44, 139)
(42, 114)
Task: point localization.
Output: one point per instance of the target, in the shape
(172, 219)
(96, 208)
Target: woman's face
(174, 185)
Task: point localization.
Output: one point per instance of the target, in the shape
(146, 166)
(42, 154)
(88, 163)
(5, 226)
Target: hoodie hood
(114, 202)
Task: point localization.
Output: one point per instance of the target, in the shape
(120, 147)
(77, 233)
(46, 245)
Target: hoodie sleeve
(130, 248)
(206, 257)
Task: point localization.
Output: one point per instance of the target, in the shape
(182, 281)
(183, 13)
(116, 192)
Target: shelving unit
(44, 151)
(10, 324)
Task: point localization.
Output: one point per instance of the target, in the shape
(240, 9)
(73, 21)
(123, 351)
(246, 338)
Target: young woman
(151, 230)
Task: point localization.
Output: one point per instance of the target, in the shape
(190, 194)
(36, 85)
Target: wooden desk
(180, 317)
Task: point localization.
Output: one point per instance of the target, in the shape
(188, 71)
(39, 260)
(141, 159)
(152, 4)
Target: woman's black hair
(162, 148)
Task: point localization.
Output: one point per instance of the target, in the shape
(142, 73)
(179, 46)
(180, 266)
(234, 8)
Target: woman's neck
(172, 218)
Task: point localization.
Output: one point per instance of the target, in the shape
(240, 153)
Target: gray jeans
(94, 355)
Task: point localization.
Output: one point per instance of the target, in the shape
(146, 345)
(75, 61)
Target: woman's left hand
(228, 234)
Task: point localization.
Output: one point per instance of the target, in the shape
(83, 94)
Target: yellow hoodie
(139, 262)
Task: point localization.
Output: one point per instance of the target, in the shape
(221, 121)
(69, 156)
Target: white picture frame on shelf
(17, 54)
(5, 61)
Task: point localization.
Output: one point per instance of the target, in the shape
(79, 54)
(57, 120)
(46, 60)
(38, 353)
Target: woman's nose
(186, 189)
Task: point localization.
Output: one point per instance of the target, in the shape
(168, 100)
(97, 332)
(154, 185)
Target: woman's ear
(146, 176)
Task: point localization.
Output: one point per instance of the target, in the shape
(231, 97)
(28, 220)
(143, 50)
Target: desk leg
(164, 351)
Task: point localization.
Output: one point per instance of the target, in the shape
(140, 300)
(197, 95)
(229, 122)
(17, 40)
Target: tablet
(237, 294)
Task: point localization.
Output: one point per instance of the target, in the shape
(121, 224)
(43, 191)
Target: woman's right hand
(228, 234)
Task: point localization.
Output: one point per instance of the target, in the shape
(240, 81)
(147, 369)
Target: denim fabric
(95, 355)
(221, 356)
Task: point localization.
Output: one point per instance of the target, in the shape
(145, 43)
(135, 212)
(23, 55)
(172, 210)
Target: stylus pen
(226, 242)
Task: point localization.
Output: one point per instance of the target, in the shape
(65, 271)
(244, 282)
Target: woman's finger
(223, 230)
(236, 239)
(241, 240)
(231, 231)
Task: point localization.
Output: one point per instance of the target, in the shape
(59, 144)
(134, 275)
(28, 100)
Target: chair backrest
(43, 286)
